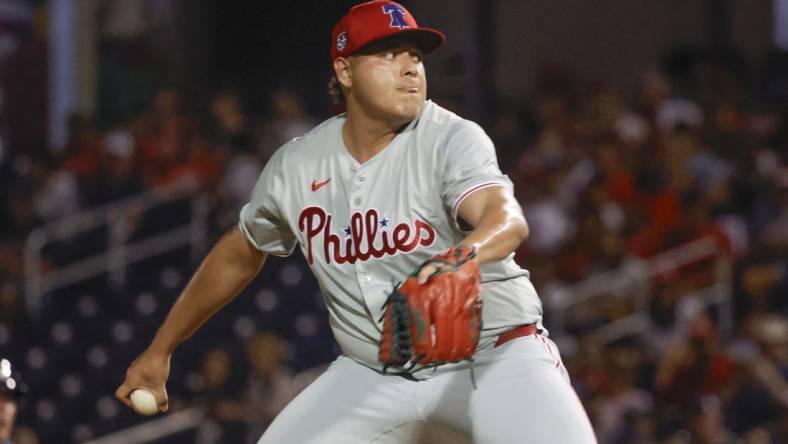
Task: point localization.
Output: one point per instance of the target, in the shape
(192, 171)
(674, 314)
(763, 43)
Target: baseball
(144, 402)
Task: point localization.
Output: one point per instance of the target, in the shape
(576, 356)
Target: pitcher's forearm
(497, 237)
(226, 270)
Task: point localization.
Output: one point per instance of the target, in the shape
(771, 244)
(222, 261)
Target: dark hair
(335, 91)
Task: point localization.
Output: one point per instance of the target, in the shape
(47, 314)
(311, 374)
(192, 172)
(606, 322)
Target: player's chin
(409, 107)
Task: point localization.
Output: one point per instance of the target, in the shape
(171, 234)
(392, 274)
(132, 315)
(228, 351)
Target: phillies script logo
(361, 236)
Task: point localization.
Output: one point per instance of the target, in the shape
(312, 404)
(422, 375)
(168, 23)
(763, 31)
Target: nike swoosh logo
(318, 185)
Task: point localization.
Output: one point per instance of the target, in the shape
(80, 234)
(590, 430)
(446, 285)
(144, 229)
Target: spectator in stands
(20, 217)
(588, 366)
(622, 401)
(82, 151)
(8, 410)
(118, 178)
(17, 218)
(11, 301)
(771, 366)
(58, 195)
(25, 435)
(775, 233)
(196, 165)
(638, 428)
(217, 394)
(615, 174)
(11, 389)
(163, 134)
(271, 383)
(509, 132)
(232, 135)
(760, 401)
(548, 217)
(764, 281)
(706, 423)
(696, 366)
(759, 436)
(288, 120)
(229, 127)
(663, 108)
(659, 209)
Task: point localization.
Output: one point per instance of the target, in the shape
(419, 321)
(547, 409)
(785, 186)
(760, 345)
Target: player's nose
(408, 65)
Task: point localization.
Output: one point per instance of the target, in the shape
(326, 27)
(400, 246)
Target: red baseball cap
(378, 19)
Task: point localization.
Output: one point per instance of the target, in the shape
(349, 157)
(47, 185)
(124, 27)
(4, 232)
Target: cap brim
(427, 39)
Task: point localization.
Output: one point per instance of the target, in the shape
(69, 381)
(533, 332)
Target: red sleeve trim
(456, 208)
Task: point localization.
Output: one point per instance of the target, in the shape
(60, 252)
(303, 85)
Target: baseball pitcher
(406, 220)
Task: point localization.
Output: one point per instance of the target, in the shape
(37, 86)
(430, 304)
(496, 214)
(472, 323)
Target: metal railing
(155, 429)
(633, 280)
(120, 250)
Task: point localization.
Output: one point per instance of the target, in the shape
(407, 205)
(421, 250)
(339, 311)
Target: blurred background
(646, 140)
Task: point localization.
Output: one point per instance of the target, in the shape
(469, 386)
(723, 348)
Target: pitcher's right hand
(149, 371)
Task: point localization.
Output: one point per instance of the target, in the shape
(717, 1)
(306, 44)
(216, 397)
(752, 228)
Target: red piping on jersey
(467, 193)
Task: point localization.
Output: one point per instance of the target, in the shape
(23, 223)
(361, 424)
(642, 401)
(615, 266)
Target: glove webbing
(402, 345)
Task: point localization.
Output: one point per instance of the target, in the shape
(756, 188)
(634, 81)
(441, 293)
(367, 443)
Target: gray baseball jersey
(364, 227)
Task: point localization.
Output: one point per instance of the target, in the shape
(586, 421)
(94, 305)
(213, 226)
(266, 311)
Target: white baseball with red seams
(362, 228)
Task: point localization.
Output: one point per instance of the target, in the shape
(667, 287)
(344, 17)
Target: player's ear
(342, 70)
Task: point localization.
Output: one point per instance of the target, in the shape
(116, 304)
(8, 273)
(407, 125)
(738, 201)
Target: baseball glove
(437, 322)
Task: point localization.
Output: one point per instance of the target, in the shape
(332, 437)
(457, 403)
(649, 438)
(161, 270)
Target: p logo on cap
(397, 14)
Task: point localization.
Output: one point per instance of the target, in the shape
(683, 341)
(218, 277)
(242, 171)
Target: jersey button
(366, 279)
(361, 179)
(357, 201)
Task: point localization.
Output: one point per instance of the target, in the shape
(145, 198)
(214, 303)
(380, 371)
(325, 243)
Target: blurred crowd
(603, 177)
(219, 152)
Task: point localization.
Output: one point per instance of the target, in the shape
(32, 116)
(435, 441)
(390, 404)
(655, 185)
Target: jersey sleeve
(261, 219)
(469, 164)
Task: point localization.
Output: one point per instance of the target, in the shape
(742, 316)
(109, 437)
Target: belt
(517, 332)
